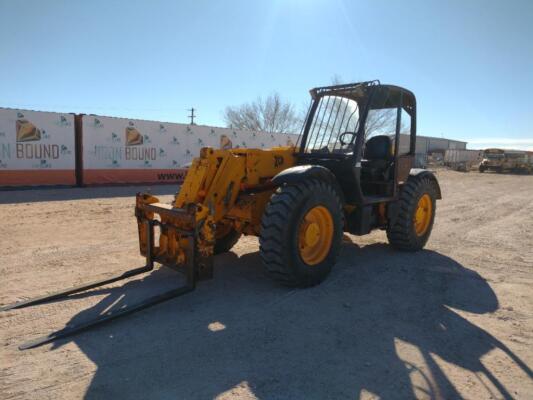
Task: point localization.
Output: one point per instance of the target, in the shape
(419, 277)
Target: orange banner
(37, 177)
(103, 176)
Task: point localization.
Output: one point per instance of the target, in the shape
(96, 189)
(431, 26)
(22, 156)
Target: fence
(36, 148)
(41, 148)
(127, 151)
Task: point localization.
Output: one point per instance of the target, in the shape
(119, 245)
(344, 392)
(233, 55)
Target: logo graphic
(98, 123)
(133, 136)
(114, 164)
(115, 138)
(26, 131)
(162, 153)
(65, 150)
(162, 128)
(175, 141)
(225, 142)
(212, 132)
(63, 121)
(42, 164)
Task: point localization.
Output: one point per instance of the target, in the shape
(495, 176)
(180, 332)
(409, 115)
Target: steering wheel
(343, 135)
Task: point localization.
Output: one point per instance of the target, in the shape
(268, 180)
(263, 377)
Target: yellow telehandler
(346, 174)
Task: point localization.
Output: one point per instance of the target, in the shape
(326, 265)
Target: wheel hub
(315, 235)
(312, 234)
(423, 214)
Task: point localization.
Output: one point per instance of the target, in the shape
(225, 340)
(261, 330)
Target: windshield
(492, 156)
(334, 126)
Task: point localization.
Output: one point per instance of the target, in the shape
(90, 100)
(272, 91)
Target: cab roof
(387, 95)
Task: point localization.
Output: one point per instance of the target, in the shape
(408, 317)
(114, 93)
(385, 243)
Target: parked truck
(462, 159)
(500, 160)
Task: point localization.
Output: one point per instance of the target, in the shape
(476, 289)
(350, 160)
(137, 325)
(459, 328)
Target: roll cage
(370, 95)
(323, 140)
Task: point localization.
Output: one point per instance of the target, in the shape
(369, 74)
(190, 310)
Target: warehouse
(427, 145)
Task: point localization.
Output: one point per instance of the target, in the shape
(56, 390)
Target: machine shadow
(34, 195)
(240, 331)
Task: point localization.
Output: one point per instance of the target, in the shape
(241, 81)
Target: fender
(299, 173)
(424, 173)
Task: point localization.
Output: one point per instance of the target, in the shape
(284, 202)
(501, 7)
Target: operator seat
(377, 158)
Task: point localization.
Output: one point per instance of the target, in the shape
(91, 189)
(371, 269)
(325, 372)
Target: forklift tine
(108, 316)
(76, 289)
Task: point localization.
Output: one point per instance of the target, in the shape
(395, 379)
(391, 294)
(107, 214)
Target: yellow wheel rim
(423, 214)
(315, 235)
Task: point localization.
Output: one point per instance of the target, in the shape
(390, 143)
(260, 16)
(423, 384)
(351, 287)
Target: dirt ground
(453, 321)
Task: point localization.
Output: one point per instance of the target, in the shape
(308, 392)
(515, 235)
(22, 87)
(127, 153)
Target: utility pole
(192, 115)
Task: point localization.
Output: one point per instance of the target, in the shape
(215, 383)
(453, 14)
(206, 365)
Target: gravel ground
(452, 321)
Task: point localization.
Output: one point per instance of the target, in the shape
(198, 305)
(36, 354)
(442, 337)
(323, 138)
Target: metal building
(428, 144)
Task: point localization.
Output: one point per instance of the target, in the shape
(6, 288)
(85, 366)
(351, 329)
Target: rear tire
(301, 233)
(405, 232)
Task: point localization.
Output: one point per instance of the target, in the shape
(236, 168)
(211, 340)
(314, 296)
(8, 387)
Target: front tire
(301, 233)
(411, 228)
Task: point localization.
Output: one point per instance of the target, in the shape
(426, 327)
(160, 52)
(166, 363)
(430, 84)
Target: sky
(469, 62)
